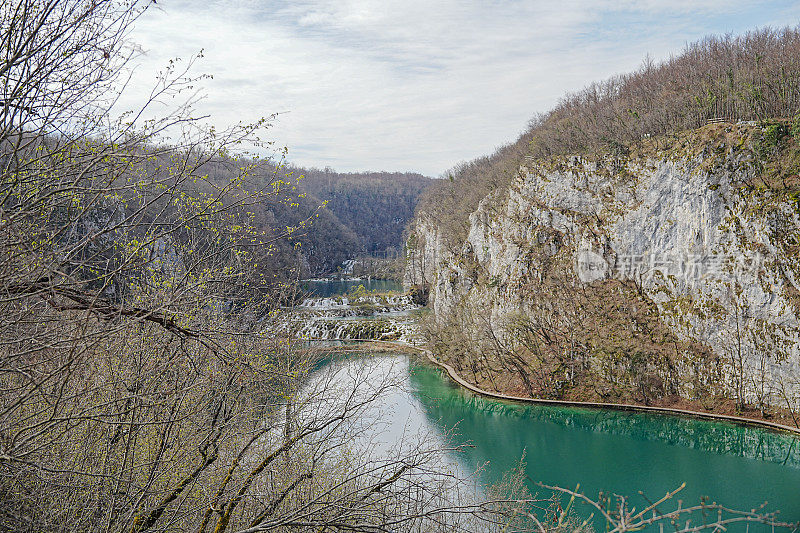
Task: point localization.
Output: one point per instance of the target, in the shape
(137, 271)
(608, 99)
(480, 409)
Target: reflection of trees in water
(717, 437)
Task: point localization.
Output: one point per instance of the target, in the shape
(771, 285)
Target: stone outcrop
(688, 229)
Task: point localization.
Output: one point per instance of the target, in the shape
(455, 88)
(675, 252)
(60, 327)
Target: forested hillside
(375, 206)
(335, 216)
(147, 381)
(755, 76)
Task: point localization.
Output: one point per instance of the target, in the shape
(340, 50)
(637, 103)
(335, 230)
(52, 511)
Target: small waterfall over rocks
(380, 317)
(347, 267)
(369, 305)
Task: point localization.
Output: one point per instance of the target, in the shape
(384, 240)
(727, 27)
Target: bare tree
(143, 386)
(618, 514)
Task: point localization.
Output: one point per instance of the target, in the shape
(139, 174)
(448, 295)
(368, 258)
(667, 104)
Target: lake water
(620, 452)
(602, 450)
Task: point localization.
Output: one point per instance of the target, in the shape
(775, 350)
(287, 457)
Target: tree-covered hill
(669, 176)
(337, 216)
(375, 206)
(750, 77)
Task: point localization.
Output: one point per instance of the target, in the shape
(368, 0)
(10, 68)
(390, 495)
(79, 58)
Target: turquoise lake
(325, 288)
(616, 452)
(602, 450)
(737, 466)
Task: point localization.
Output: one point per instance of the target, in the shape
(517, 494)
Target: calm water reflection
(618, 452)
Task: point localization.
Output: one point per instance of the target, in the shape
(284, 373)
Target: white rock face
(683, 230)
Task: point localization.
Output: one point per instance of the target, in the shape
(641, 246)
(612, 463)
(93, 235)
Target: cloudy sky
(416, 85)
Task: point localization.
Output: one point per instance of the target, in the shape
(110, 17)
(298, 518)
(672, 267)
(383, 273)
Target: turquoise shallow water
(617, 452)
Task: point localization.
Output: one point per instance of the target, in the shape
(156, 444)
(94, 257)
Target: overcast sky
(416, 85)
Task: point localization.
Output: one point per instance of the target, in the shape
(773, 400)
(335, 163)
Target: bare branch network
(143, 386)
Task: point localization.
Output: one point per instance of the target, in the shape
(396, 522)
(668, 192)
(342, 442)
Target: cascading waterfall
(382, 317)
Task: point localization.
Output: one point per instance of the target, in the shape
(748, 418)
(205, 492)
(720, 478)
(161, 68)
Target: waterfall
(383, 317)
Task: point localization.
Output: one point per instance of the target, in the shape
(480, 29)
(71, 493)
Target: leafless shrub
(618, 515)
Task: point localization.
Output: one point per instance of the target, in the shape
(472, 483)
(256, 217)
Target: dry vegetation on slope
(755, 76)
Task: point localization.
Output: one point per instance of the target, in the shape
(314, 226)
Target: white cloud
(414, 85)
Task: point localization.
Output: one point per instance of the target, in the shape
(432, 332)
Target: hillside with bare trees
(144, 384)
(750, 77)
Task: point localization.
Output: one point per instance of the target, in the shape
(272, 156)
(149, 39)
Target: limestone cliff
(670, 271)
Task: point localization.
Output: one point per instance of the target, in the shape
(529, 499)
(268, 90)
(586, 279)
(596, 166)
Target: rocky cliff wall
(672, 263)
